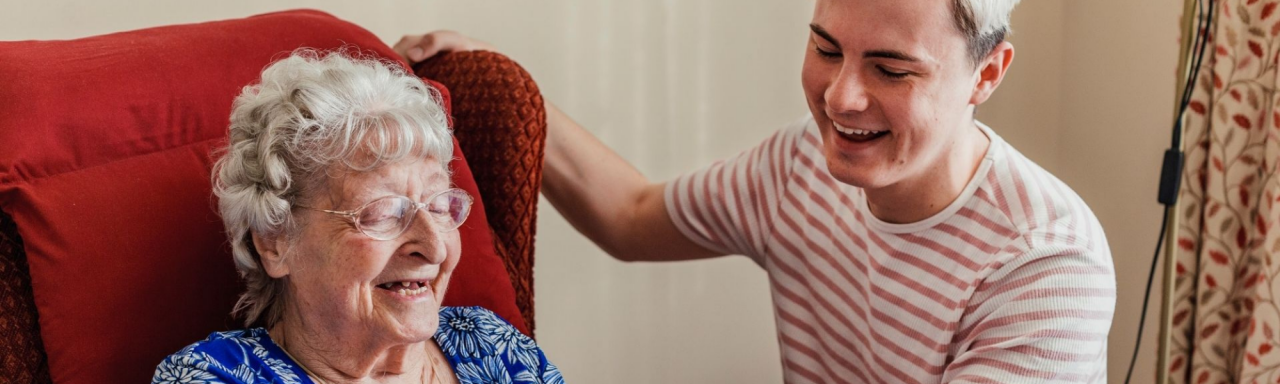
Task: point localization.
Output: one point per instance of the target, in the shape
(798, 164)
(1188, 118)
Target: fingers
(443, 41)
(416, 48)
(407, 44)
(416, 54)
(435, 42)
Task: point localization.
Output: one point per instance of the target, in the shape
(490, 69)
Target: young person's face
(891, 87)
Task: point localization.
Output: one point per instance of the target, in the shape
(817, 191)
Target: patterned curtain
(1227, 317)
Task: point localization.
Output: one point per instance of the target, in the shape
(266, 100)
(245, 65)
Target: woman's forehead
(405, 177)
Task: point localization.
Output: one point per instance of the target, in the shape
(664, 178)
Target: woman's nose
(426, 232)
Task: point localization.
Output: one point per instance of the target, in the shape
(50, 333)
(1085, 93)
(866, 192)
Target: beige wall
(1117, 118)
(675, 84)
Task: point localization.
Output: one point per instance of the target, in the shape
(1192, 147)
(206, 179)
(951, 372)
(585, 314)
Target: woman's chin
(421, 330)
(414, 327)
(415, 313)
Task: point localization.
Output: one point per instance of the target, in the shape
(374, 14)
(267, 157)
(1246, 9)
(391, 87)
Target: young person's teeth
(851, 131)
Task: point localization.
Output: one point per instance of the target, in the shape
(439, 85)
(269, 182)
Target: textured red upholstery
(105, 149)
(503, 135)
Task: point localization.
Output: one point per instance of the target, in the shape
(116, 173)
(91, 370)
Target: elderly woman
(335, 193)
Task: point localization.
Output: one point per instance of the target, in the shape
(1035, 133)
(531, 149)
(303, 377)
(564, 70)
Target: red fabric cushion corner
(105, 147)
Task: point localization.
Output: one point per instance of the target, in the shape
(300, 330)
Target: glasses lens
(450, 208)
(386, 217)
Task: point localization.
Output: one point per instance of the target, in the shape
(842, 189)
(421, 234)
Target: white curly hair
(309, 112)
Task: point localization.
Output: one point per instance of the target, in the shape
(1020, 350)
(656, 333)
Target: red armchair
(111, 253)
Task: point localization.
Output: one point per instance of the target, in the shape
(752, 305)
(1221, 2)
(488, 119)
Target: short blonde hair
(984, 24)
(310, 111)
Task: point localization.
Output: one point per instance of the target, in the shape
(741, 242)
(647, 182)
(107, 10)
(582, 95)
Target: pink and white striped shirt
(1011, 283)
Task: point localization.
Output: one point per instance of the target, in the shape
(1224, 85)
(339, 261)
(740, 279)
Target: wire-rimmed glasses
(387, 217)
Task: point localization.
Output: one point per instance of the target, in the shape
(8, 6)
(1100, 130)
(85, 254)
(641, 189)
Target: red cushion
(105, 149)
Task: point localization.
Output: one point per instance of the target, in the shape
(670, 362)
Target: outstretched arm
(597, 191)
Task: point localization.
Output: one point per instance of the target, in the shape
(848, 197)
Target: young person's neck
(919, 198)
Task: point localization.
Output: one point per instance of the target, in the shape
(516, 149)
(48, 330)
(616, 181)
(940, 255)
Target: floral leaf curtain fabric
(1227, 314)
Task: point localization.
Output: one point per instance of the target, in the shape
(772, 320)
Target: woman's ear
(271, 251)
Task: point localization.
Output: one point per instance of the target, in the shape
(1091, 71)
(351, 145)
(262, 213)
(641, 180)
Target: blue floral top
(480, 346)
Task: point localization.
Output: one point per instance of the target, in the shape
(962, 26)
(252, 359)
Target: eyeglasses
(388, 217)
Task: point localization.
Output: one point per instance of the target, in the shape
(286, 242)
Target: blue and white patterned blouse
(480, 346)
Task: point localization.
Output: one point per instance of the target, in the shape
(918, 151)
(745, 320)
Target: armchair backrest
(111, 252)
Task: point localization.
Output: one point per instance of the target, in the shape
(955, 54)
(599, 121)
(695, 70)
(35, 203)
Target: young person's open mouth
(858, 135)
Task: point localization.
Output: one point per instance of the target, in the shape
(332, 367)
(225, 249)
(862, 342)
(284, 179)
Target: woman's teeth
(406, 288)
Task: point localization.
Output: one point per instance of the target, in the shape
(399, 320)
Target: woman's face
(349, 282)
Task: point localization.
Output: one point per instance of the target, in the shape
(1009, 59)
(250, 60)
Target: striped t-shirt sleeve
(726, 207)
(1042, 317)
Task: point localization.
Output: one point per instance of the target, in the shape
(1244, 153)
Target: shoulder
(473, 332)
(1056, 231)
(463, 319)
(191, 365)
(1042, 209)
(483, 347)
(800, 135)
(242, 356)
(1047, 223)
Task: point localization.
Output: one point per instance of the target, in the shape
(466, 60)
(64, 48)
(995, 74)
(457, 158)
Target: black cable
(1171, 170)
(1199, 44)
